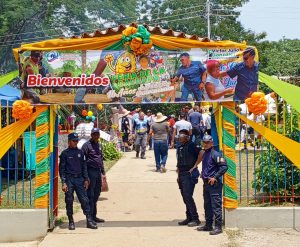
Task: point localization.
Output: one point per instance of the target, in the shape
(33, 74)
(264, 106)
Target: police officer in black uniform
(74, 177)
(213, 168)
(187, 154)
(95, 167)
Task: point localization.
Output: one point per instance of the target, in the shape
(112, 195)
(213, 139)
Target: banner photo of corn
(148, 75)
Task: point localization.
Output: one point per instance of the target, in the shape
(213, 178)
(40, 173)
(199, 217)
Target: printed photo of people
(218, 74)
(205, 81)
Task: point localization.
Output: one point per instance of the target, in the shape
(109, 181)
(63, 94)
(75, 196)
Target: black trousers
(187, 186)
(213, 203)
(77, 185)
(94, 189)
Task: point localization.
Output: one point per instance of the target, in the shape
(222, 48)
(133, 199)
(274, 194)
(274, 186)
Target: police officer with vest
(213, 168)
(95, 167)
(187, 154)
(74, 177)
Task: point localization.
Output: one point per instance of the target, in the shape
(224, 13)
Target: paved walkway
(141, 209)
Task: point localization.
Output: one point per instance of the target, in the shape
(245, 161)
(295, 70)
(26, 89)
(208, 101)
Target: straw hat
(159, 117)
(124, 113)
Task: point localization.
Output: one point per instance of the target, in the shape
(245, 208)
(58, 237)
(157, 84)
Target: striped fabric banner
(42, 160)
(230, 194)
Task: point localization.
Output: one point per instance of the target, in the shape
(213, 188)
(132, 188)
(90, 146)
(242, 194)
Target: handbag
(104, 185)
(195, 175)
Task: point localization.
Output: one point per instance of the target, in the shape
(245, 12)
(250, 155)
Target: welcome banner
(103, 76)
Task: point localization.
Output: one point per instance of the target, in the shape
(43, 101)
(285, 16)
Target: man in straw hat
(159, 131)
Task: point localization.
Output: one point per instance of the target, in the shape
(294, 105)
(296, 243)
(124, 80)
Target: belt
(74, 175)
(141, 133)
(184, 170)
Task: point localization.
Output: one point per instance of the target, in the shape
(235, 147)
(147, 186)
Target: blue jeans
(77, 185)
(160, 152)
(212, 195)
(193, 89)
(187, 186)
(94, 189)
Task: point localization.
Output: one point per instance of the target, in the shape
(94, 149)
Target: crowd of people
(160, 133)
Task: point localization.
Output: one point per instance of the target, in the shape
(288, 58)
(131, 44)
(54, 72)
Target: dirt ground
(263, 238)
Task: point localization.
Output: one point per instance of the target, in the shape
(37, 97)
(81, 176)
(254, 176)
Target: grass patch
(245, 176)
(17, 194)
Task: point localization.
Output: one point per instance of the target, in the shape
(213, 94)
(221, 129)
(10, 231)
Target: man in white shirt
(179, 125)
(150, 117)
(207, 119)
(259, 119)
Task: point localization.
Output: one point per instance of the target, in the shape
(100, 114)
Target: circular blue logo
(52, 56)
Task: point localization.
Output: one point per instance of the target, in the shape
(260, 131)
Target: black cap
(148, 111)
(250, 51)
(73, 137)
(184, 131)
(185, 54)
(95, 130)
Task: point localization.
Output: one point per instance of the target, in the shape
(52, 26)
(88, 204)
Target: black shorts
(125, 137)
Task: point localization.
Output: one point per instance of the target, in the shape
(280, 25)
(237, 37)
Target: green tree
(280, 58)
(191, 17)
(27, 21)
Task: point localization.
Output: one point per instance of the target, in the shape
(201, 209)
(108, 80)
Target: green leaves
(110, 151)
(280, 58)
(274, 173)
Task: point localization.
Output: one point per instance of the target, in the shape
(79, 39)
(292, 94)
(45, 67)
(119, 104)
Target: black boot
(71, 223)
(98, 220)
(184, 222)
(216, 231)
(194, 223)
(137, 154)
(90, 223)
(205, 228)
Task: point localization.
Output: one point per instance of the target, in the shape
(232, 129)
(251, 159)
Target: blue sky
(276, 17)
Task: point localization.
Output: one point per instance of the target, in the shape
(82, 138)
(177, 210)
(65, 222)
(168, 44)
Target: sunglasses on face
(246, 57)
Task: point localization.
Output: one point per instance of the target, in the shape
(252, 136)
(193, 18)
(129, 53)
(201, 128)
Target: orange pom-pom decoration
(22, 109)
(257, 104)
(84, 113)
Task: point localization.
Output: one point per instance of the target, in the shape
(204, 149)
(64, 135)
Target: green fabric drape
(290, 93)
(4, 79)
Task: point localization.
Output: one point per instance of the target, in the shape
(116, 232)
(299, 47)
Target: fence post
(230, 193)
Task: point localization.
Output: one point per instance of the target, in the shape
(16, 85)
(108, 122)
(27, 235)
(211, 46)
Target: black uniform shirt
(213, 164)
(94, 156)
(72, 162)
(187, 155)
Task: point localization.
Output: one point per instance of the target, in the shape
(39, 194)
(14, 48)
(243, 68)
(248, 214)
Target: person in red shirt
(171, 129)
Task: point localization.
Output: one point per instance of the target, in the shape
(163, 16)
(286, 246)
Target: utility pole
(208, 17)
